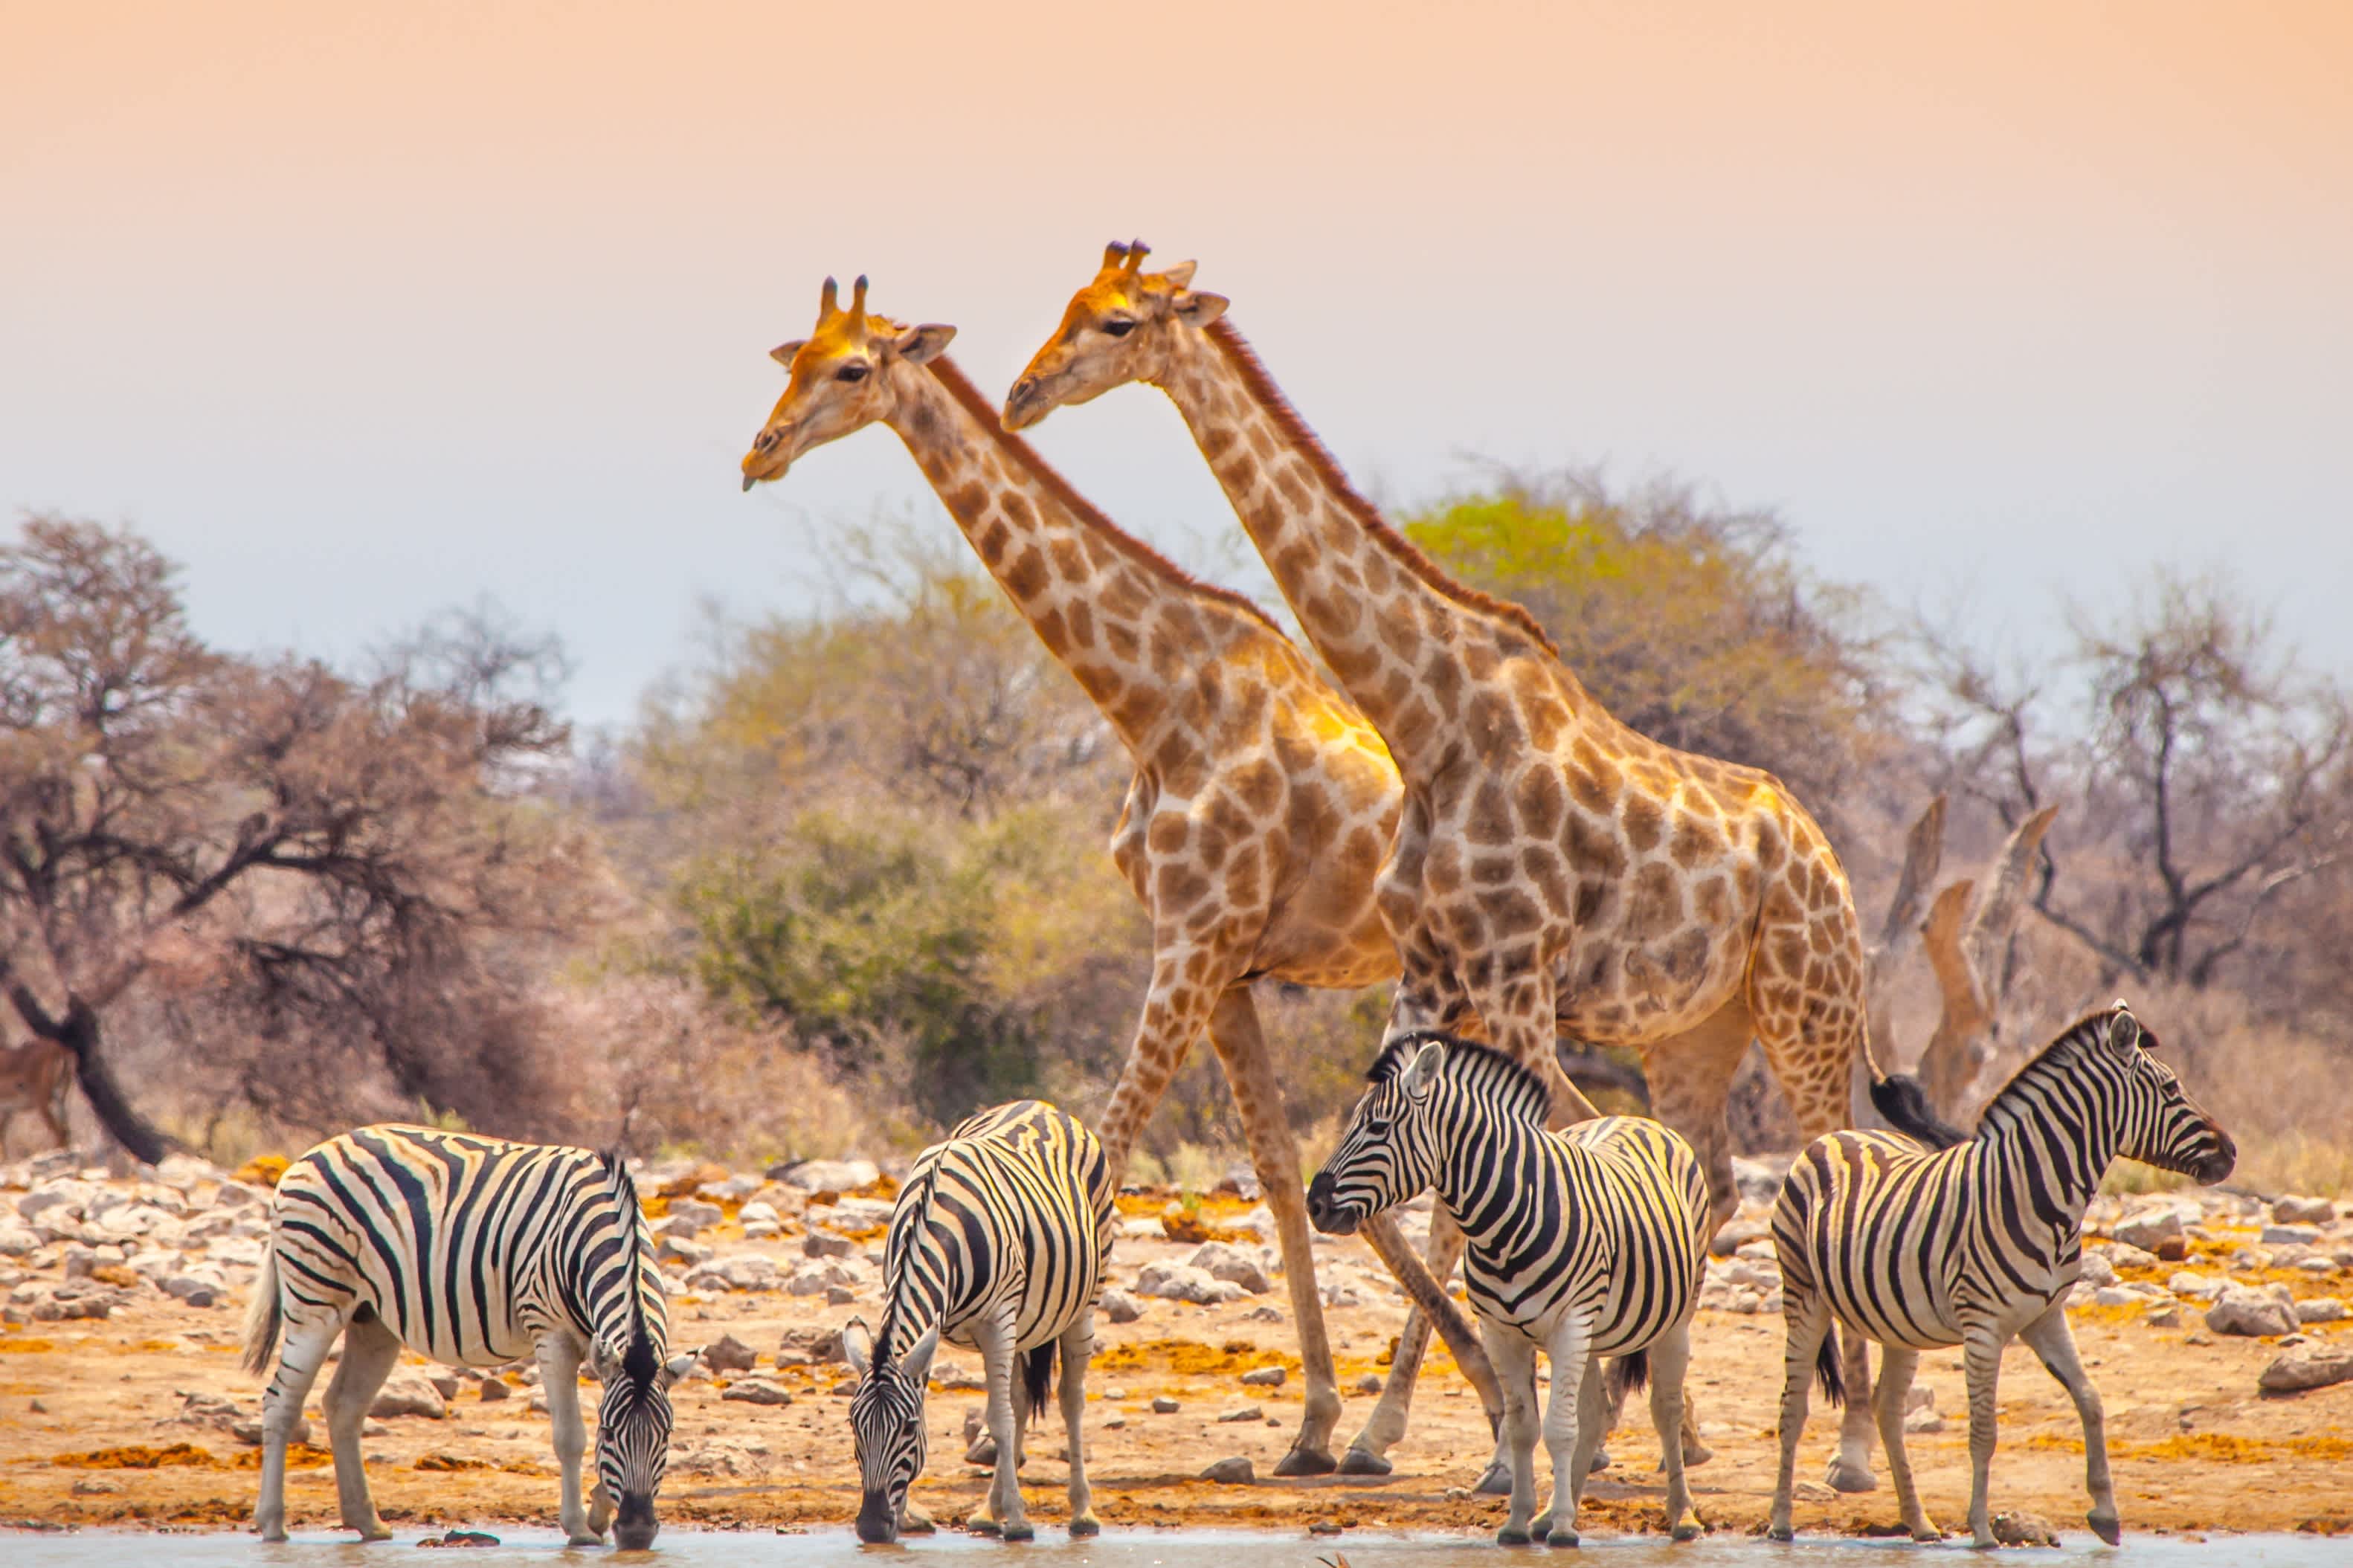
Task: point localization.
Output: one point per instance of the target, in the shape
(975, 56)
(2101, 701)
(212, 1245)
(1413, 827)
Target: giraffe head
(846, 374)
(1116, 329)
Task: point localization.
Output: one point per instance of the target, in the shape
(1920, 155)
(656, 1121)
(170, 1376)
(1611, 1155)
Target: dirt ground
(92, 1429)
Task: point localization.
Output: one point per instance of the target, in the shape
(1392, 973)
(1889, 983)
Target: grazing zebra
(1973, 1244)
(1587, 1242)
(469, 1251)
(997, 1243)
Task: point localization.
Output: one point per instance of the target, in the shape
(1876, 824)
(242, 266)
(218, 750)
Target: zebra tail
(263, 1316)
(1826, 1365)
(1901, 1099)
(1628, 1373)
(1038, 1377)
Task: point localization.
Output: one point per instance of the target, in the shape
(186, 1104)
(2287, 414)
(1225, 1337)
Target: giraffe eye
(854, 371)
(1118, 327)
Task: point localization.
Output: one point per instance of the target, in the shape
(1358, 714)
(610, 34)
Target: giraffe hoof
(1780, 1532)
(1686, 1530)
(1844, 1477)
(1512, 1535)
(2106, 1526)
(1364, 1462)
(1084, 1525)
(1303, 1461)
(1561, 1536)
(1496, 1482)
(1601, 1462)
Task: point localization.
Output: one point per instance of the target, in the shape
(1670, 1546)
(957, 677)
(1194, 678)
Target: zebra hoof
(1845, 1477)
(1561, 1536)
(1304, 1461)
(1496, 1482)
(1686, 1530)
(2106, 1526)
(1779, 1532)
(1086, 1524)
(1019, 1532)
(1364, 1462)
(979, 1526)
(1512, 1535)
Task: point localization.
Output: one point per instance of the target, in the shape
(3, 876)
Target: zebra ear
(604, 1361)
(2123, 1032)
(917, 1362)
(857, 1345)
(678, 1366)
(1423, 1071)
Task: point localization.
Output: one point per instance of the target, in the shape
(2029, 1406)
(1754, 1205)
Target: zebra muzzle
(878, 1521)
(1325, 1213)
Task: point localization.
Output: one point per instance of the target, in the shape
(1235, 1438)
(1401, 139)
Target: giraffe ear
(783, 352)
(1180, 275)
(920, 345)
(1198, 309)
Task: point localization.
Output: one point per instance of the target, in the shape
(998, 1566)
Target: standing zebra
(1973, 1244)
(469, 1251)
(997, 1244)
(1588, 1242)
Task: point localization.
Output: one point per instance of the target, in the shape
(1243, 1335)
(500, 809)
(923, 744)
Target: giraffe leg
(1816, 1067)
(1234, 1031)
(1366, 1453)
(1175, 1010)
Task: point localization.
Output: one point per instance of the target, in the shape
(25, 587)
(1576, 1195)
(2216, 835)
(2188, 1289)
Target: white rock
(758, 1213)
(2097, 1270)
(2194, 1286)
(1183, 1282)
(1120, 1307)
(1221, 1260)
(694, 1211)
(2288, 1235)
(741, 1271)
(408, 1391)
(17, 1241)
(2303, 1211)
(2149, 1227)
(755, 1391)
(2254, 1313)
(831, 1176)
(2320, 1309)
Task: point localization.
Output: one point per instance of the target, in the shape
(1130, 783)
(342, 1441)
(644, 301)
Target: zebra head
(633, 1422)
(2156, 1122)
(886, 1422)
(1388, 1154)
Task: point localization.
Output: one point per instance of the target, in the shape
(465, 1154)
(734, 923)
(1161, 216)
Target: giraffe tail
(1901, 1099)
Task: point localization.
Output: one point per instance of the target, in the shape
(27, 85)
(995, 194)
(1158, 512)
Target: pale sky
(363, 310)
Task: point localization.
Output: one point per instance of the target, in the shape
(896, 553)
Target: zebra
(469, 1251)
(996, 1243)
(1976, 1244)
(1587, 1242)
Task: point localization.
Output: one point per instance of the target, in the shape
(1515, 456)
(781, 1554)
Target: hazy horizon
(363, 313)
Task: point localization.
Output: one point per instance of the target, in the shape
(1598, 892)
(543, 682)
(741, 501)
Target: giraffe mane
(960, 388)
(1253, 372)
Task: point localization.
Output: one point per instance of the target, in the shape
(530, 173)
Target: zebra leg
(1078, 1347)
(559, 1380)
(303, 1352)
(1572, 1426)
(1669, 1360)
(1514, 1360)
(1241, 1047)
(369, 1352)
(1896, 1365)
(1004, 1514)
(1805, 1321)
(2054, 1341)
(1982, 1360)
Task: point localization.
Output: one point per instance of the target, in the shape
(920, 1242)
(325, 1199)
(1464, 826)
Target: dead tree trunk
(1965, 947)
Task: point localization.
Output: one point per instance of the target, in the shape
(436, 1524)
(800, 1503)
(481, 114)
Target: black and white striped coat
(471, 1252)
(1974, 1245)
(1587, 1242)
(997, 1243)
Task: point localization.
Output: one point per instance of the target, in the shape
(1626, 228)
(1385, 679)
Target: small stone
(1236, 1471)
(1164, 1406)
(250, 1432)
(1183, 1282)
(2288, 1235)
(1264, 1377)
(810, 1346)
(2303, 1211)
(444, 1381)
(2024, 1530)
(1114, 1422)
(2252, 1313)
(2173, 1249)
(755, 1391)
(827, 1175)
(2149, 1229)
(2320, 1309)
(1246, 1413)
(2165, 1317)
(839, 1295)
(1115, 1392)
(408, 1391)
(495, 1389)
(2196, 1287)
(1369, 1384)
(729, 1354)
(1120, 1307)
(824, 1244)
(2314, 1364)
(1223, 1261)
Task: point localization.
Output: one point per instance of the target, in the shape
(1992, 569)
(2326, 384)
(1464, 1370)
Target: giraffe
(1553, 869)
(1261, 801)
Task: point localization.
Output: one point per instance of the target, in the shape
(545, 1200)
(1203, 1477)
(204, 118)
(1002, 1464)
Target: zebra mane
(640, 1361)
(1515, 1083)
(928, 1178)
(2083, 1032)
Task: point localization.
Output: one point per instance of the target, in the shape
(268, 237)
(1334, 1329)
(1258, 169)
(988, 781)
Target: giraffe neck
(1404, 640)
(1120, 618)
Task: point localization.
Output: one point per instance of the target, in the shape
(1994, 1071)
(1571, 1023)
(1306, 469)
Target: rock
(2196, 1287)
(758, 1213)
(2098, 1270)
(2124, 1255)
(810, 1346)
(1183, 1282)
(1739, 1232)
(2303, 1211)
(444, 1381)
(734, 1189)
(828, 1175)
(1223, 1261)
(2173, 1249)
(495, 1389)
(681, 1250)
(197, 1288)
(1241, 1182)
(1120, 1307)
(61, 1200)
(1236, 1471)
(1369, 1384)
(2288, 1235)
(2166, 1317)
(824, 1244)
(1759, 1180)
(1147, 1228)
(728, 1353)
(742, 1271)
(814, 1278)
(696, 1213)
(1164, 1406)
(839, 1295)
(2151, 1227)
(956, 1377)
(2254, 1313)
(1114, 1422)
(17, 1241)
(408, 1391)
(250, 1432)
(1243, 1413)
(2024, 1530)
(2311, 1365)
(755, 1391)
(1264, 1377)
(1812, 1491)
(2320, 1309)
